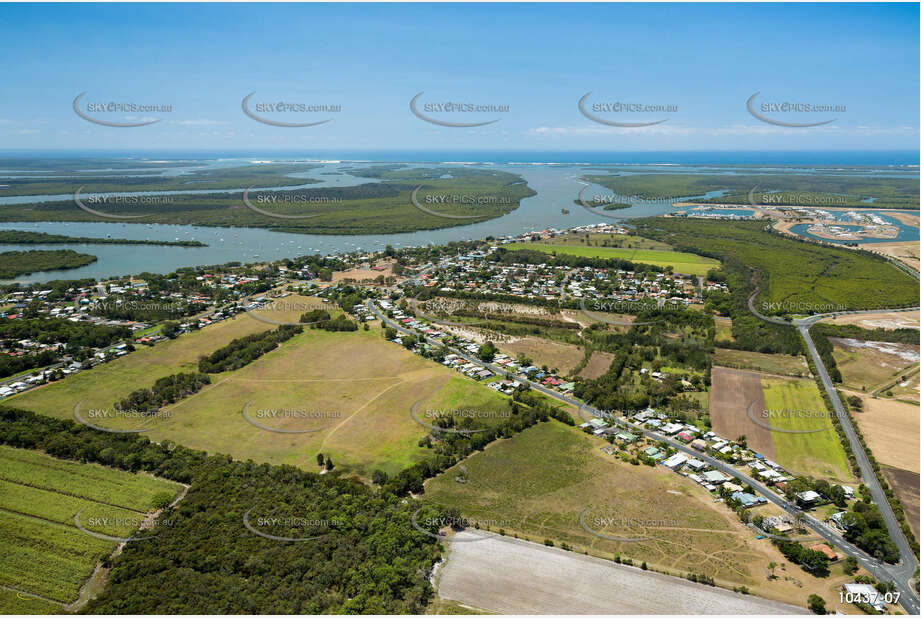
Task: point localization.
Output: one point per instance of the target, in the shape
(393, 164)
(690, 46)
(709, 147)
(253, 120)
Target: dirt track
(511, 576)
(731, 392)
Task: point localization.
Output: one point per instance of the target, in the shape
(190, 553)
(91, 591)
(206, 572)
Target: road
(901, 573)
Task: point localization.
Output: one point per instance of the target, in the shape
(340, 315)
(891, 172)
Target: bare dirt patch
(905, 486)
(366, 273)
(891, 429)
(554, 354)
(597, 365)
(890, 321)
(731, 392)
(511, 576)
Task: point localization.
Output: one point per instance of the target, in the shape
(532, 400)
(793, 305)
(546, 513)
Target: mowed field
(817, 453)
(538, 483)
(347, 395)
(685, 263)
(893, 432)
(731, 392)
(44, 553)
(782, 364)
(788, 404)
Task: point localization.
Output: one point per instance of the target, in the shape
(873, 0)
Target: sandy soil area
(511, 576)
(731, 392)
(365, 274)
(892, 429)
(896, 319)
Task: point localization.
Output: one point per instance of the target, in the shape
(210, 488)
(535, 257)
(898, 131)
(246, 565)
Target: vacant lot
(597, 365)
(538, 483)
(796, 406)
(554, 354)
(892, 431)
(510, 576)
(723, 328)
(867, 365)
(45, 553)
(686, 263)
(781, 364)
(345, 394)
(905, 485)
(893, 320)
(731, 392)
(906, 389)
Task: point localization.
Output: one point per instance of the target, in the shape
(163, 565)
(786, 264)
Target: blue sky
(537, 59)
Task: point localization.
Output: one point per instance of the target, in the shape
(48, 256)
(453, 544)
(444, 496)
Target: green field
(353, 390)
(14, 602)
(818, 453)
(782, 364)
(537, 483)
(45, 554)
(685, 263)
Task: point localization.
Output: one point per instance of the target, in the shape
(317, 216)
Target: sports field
(45, 553)
(685, 263)
(817, 453)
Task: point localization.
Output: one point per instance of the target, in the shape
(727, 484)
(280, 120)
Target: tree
(817, 604)
(320, 459)
(850, 565)
(329, 466)
(487, 352)
(170, 329)
(772, 565)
